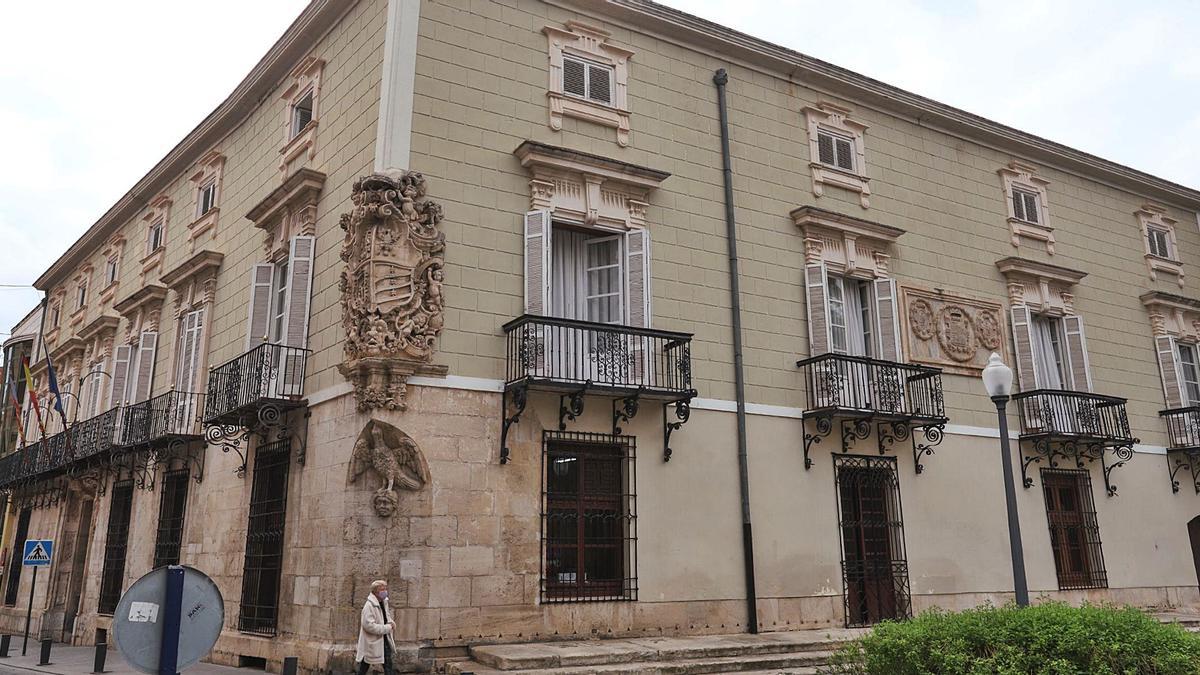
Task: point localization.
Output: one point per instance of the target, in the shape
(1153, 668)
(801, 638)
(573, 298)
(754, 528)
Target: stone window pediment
(837, 150)
(289, 210)
(1044, 288)
(304, 89)
(1025, 203)
(589, 78)
(588, 189)
(194, 281)
(1173, 315)
(1160, 247)
(142, 310)
(847, 245)
(206, 186)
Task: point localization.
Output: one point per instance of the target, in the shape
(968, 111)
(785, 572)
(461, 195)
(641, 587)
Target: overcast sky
(92, 94)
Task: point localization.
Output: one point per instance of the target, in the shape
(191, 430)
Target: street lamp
(998, 379)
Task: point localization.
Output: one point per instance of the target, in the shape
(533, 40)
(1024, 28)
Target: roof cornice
(316, 19)
(808, 71)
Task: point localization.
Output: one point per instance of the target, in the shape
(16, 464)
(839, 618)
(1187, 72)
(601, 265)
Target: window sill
(108, 293)
(1156, 264)
(152, 261)
(1036, 231)
(824, 174)
(563, 105)
(303, 143)
(76, 317)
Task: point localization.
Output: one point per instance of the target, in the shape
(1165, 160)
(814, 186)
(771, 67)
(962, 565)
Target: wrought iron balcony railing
(866, 386)
(895, 399)
(567, 354)
(166, 417)
(269, 374)
(1073, 415)
(92, 438)
(1183, 428)
(1076, 426)
(576, 358)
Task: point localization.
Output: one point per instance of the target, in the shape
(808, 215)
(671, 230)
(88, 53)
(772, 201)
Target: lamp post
(998, 379)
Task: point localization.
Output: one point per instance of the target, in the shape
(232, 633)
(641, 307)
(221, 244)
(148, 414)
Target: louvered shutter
(574, 77)
(815, 285)
(191, 332)
(147, 347)
(299, 292)
(260, 305)
(1031, 209)
(121, 360)
(845, 154)
(1081, 372)
(1168, 368)
(537, 263)
(600, 84)
(1022, 327)
(825, 149)
(889, 321)
(637, 253)
(85, 406)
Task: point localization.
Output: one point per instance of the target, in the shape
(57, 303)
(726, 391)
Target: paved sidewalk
(65, 659)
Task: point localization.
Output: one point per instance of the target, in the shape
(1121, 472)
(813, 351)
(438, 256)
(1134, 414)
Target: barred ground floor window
(871, 525)
(589, 517)
(264, 540)
(171, 510)
(116, 545)
(1074, 530)
(14, 563)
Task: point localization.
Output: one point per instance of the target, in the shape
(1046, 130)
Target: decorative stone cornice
(1173, 315)
(194, 281)
(391, 288)
(289, 210)
(1042, 286)
(848, 245)
(99, 327)
(588, 188)
(150, 294)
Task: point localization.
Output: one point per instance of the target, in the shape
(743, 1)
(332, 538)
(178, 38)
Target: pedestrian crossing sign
(38, 552)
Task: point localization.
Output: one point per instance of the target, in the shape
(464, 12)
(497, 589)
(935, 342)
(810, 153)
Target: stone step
(565, 654)
(798, 663)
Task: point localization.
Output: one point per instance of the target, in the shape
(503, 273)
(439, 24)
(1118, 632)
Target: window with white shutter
(1077, 354)
(1169, 367)
(1158, 241)
(298, 293)
(888, 319)
(587, 80)
(537, 262)
(637, 266)
(122, 357)
(144, 374)
(1025, 205)
(816, 292)
(188, 360)
(852, 322)
(1189, 372)
(259, 321)
(835, 150)
(836, 145)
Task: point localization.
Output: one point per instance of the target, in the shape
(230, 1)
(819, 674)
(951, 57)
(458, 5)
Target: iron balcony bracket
(1082, 453)
(1122, 453)
(229, 438)
(268, 424)
(933, 434)
(853, 430)
(683, 412)
(518, 396)
(570, 406)
(625, 409)
(1184, 458)
(822, 428)
(888, 433)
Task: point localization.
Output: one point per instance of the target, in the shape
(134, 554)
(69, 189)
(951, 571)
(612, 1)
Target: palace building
(460, 295)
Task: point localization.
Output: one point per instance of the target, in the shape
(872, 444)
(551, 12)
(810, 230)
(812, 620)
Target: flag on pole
(16, 403)
(33, 399)
(62, 413)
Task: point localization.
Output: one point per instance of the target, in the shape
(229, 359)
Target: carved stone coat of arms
(391, 286)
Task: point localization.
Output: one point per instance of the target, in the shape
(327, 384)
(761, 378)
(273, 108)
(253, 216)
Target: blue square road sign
(38, 552)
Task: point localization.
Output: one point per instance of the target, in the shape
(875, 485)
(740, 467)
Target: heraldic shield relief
(391, 286)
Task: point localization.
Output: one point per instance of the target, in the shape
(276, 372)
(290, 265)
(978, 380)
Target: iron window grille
(171, 510)
(115, 547)
(264, 540)
(14, 565)
(871, 529)
(1074, 529)
(589, 517)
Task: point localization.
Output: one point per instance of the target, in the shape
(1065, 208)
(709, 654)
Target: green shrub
(1051, 638)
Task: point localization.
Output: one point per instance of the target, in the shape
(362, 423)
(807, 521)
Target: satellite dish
(140, 617)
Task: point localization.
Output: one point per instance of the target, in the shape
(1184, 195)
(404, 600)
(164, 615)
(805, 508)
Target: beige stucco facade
(930, 198)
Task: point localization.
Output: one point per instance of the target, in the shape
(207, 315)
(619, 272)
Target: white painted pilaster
(394, 132)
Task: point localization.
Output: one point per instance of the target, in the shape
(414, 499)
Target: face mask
(383, 595)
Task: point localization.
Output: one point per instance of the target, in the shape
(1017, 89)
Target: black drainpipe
(739, 374)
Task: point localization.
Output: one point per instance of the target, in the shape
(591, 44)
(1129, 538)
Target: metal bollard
(5, 641)
(44, 659)
(101, 655)
(290, 665)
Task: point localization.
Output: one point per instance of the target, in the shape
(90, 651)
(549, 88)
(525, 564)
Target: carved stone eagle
(393, 456)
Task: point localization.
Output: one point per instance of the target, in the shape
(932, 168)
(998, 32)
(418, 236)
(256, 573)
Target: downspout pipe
(720, 78)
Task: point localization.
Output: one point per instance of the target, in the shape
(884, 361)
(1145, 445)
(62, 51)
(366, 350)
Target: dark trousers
(363, 666)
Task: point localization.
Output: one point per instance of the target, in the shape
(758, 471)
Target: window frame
(81, 291)
(1189, 372)
(208, 190)
(1018, 177)
(294, 129)
(837, 122)
(588, 66)
(584, 450)
(155, 235)
(592, 46)
(1081, 522)
(111, 271)
(1026, 195)
(836, 137)
(280, 285)
(266, 527)
(116, 548)
(172, 516)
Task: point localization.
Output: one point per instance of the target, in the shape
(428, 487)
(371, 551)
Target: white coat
(373, 632)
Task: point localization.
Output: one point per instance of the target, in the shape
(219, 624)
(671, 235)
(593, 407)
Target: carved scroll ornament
(391, 287)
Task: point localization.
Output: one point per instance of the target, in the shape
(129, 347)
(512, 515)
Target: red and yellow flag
(33, 399)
